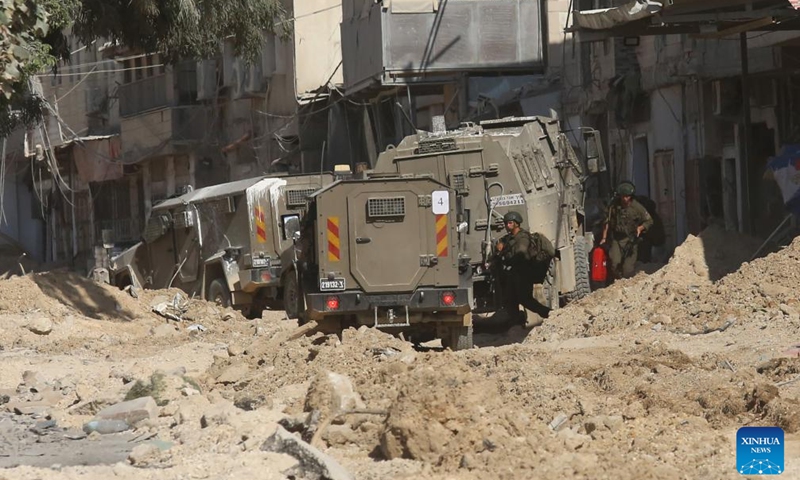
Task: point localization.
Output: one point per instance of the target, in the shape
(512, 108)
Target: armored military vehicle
(384, 253)
(521, 164)
(229, 243)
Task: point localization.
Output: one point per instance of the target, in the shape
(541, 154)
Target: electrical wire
(100, 71)
(76, 85)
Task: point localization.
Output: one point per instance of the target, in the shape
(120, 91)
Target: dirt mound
(708, 257)
(60, 292)
(682, 298)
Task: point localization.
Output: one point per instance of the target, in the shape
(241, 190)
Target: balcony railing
(143, 95)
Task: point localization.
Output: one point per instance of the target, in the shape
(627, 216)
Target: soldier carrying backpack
(524, 260)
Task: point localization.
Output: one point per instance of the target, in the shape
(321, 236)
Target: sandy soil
(647, 379)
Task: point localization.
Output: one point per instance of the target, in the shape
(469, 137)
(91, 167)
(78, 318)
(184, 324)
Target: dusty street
(647, 379)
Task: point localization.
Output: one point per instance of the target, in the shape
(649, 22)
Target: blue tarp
(786, 170)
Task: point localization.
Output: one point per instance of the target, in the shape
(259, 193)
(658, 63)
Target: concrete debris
(105, 427)
(314, 464)
(233, 374)
(132, 411)
(40, 325)
(196, 328)
(234, 350)
(143, 454)
(174, 309)
(343, 395)
(558, 421)
(132, 291)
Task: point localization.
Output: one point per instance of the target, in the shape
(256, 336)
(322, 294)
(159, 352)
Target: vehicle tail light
(265, 276)
(448, 299)
(332, 303)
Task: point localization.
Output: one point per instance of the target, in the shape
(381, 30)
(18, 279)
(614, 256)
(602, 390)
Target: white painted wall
(317, 44)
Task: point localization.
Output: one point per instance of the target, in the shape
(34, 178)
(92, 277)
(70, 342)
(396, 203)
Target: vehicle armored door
(188, 244)
(389, 236)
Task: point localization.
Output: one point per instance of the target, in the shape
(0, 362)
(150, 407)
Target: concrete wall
(317, 44)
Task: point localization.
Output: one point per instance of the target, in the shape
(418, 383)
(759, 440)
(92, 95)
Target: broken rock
(235, 350)
(313, 463)
(40, 325)
(233, 374)
(143, 454)
(333, 393)
(132, 411)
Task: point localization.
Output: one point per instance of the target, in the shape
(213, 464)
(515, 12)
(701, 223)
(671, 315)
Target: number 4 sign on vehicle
(441, 202)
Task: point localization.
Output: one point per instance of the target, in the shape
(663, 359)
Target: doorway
(641, 166)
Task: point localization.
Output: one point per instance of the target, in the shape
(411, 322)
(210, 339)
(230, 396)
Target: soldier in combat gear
(524, 260)
(626, 222)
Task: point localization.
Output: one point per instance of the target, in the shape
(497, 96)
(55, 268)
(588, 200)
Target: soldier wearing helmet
(522, 265)
(627, 220)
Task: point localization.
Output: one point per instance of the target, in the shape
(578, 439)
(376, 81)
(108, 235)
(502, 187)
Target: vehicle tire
(458, 338)
(219, 293)
(292, 297)
(550, 287)
(583, 286)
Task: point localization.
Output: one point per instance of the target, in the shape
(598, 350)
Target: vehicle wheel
(458, 338)
(583, 286)
(218, 293)
(292, 298)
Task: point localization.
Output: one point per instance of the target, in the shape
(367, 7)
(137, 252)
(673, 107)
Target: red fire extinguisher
(599, 264)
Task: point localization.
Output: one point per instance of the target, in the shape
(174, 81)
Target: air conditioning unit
(206, 79)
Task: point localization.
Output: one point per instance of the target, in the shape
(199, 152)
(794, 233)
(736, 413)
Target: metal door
(389, 236)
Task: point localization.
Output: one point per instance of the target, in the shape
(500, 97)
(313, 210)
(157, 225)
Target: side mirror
(595, 161)
(295, 237)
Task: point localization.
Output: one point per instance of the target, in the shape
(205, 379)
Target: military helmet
(512, 217)
(626, 188)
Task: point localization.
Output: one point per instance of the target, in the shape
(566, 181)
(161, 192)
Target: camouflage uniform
(622, 225)
(520, 271)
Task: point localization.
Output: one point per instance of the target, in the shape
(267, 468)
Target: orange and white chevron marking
(334, 245)
(261, 225)
(441, 236)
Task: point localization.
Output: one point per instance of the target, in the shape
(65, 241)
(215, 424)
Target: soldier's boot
(532, 319)
(505, 315)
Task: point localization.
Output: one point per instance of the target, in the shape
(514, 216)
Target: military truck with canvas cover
(230, 243)
(514, 164)
(384, 253)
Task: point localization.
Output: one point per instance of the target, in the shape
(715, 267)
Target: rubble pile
(647, 379)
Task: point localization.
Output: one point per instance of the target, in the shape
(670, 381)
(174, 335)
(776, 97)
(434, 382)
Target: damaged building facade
(662, 81)
(124, 131)
(693, 98)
